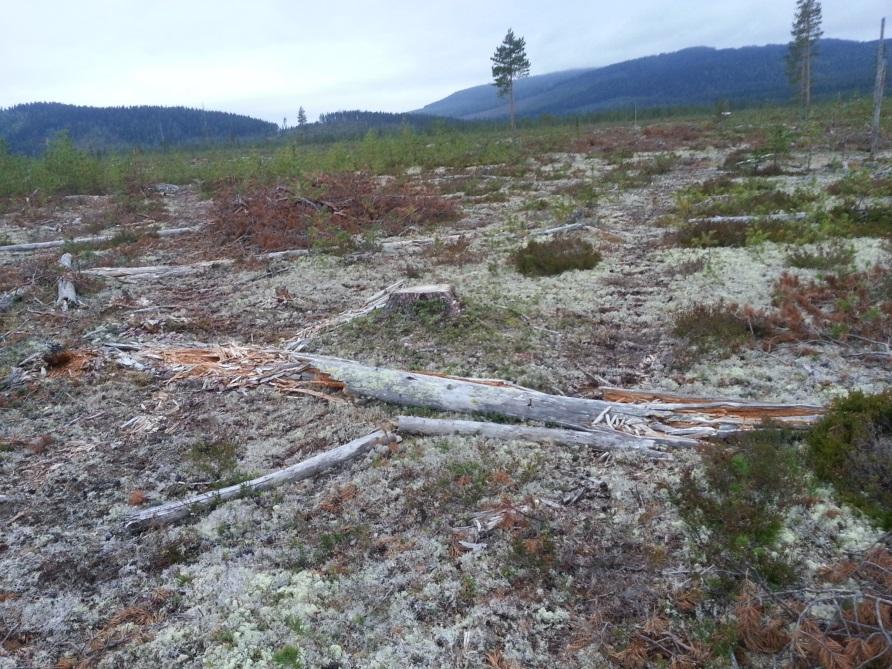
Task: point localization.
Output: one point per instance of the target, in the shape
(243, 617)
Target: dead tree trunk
(468, 396)
(173, 511)
(878, 91)
(662, 418)
(602, 440)
(97, 239)
(779, 217)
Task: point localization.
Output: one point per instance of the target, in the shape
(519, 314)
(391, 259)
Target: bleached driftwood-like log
(290, 253)
(780, 217)
(665, 422)
(719, 408)
(408, 245)
(465, 396)
(561, 229)
(166, 271)
(602, 440)
(401, 245)
(407, 298)
(173, 511)
(96, 239)
(155, 271)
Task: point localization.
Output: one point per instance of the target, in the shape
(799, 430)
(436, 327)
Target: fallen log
(248, 366)
(561, 229)
(602, 440)
(173, 511)
(400, 245)
(166, 271)
(731, 408)
(155, 271)
(780, 217)
(466, 396)
(96, 239)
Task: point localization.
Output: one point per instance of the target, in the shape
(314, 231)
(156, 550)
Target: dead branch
(376, 301)
(173, 511)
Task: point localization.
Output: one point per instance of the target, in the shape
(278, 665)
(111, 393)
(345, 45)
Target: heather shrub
(555, 256)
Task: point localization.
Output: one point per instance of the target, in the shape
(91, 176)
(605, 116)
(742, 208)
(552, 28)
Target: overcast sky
(267, 57)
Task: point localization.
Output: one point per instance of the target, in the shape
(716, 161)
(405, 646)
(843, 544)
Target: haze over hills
(26, 128)
(694, 76)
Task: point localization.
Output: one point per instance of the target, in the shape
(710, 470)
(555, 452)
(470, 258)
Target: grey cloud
(267, 57)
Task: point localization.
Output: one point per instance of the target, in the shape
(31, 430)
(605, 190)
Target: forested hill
(691, 77)
(26, 127)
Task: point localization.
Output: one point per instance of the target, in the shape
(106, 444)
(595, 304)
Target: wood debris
(637, 413)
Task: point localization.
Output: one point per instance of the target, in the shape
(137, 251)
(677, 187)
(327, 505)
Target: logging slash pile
(327, 213)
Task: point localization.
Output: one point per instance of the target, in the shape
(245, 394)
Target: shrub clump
(832, 256)
(734, 507)
(555, 256)
(716, 328)
(851, 447)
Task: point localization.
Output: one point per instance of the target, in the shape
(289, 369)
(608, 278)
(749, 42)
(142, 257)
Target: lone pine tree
(509, 63)
(806, 32)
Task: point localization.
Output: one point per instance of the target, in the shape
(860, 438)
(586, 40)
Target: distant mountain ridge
(693, 76)
(25, 128)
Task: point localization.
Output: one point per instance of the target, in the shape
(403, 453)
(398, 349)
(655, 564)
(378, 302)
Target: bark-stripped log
(166, 271)
(244, 366)
(464, 396)
(602, 440)
(780, 217)
(173, 511)
(155, 271)
(561, 229)
(96, 239)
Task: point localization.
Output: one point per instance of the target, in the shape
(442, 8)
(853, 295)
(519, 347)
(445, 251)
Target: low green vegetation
(718, 328)
(555, 256)
(833, 256)
(640, 173)
(748, 197)
(774, 215)
(734, 506)
(217, 458)
(496, 338)
(861, 184)
(852, 449)
(288, 657)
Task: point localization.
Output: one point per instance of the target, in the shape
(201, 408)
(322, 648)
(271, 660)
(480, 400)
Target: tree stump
(407, 299)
